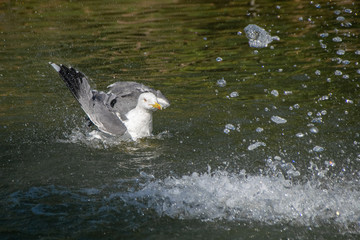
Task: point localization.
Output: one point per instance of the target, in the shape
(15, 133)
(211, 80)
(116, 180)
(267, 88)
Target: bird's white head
(149, 101)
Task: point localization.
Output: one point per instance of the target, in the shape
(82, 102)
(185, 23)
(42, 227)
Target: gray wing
(128, 93)
(95, 104)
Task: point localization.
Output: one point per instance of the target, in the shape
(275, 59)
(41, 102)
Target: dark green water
(296, 179)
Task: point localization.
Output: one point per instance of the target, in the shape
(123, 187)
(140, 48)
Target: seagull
(125, 110)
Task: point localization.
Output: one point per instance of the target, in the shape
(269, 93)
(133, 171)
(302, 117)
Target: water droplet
(229, 126)
(256, 145)
(259, 129)
(340, 52)
(278, 120)
(296, 106)
(338, 73)
(219, 59)
(314, 130)
(221, 82)
(258, 37)
(337, 39)
(275, 93)
(318, 149)
(329, 163)
(300, 135)
(324, 35)
(340, 19)
(234, 94)
(317, 72)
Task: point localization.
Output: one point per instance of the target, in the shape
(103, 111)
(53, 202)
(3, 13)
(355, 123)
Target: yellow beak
(157, 105)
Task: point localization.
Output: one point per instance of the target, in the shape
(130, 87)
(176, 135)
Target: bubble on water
(340, 19)
(340, 52)
(258, 37)
(280, 70)
(324, 35)
(300, 135)
(323, 112)
(259, 129)
(346, 76)
(256, 145)
(347, 10)
(345, 62)
(358, 71)
(301, 19)
(337, 12)
(338, 73)
(318, 72)
(278, 7)
(278, 120)
(288, 92)
(205, 38)
(314, 130)
(317, 5)
(239, 33)
(318, 149)
(349, 101)
(357, 52)
(234, 94)
(219, 59)
(275, 93)
(337, 39)
(221, 82)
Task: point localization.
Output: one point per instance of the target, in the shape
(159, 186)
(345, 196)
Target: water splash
(258, 37)
(99, 140)
(236, 197)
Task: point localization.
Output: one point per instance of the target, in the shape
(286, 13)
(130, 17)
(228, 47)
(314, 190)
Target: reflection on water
(258, 141)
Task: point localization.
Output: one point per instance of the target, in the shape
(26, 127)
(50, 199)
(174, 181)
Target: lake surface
(260, 143)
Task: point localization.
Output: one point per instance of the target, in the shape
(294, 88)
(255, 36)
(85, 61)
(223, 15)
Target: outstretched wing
(95, 104)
